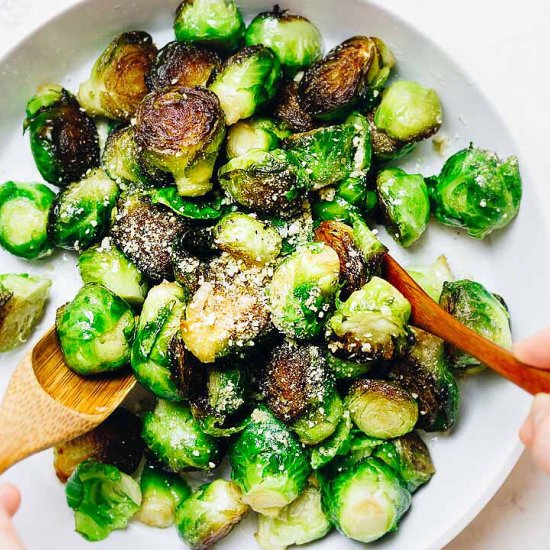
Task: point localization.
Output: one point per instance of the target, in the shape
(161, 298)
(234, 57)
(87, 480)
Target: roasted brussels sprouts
(116, 441)
(158, 324)
(342, 369)
(371, 325)
(337, 444)
(409, 457)
(117, 83)
(354, 190)
(211, 513)
(424, 373)
(180, 131)
(145, 233)
(80, 213)
(183, 65)
(95, 331)
(336, 209)
(302, 290)
(24, 210)
(384, 147)
(431, 277)
(64, 139)
(216, 23)
(294, 39)
(287, 110)
(477, 308)
(409, 112)
(381, 409)
(162, 493)
(210, 207)
(477, 191)
(365, 501)
(268, 463)
(175, 439)
(264, 181)
(248, 238)
(254, 133)
(22, 301)
(405, 204)
(247, 80)
(300, 522)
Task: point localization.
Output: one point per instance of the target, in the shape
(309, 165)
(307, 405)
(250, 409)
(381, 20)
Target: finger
(539, 407)
(540, 424)
(10, 498)
(535, 350)
(8, 536)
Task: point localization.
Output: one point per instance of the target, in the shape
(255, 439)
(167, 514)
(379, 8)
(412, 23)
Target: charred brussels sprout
(296, 41)
(289, 111)
(117, 83)
(175, 439)
(216, 23)
(247, 80)
(95, 331)
(64, 140)
(268, 463)
(81, 212)
(158, 324)
(103, 499)
(180, 131)
(24, 210)
(248, 238)
(162, 493)
(336, 445)
(302, 290)
(300, 522)
(183, 65)
(431, 277)
(22, 301)
(477, 191)
(116, 441)
(365, 501)
(477, 308)
(405, 204)
(211, 513)
(381, 409)
(384, 147)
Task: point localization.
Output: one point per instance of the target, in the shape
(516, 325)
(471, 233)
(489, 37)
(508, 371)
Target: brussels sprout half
(95, 331)
(342, 369)
(431, 277)
(24, 210)
(64, 139)
(288, 110)
(337, 444)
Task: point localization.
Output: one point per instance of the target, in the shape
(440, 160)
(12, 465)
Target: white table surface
(505, 46)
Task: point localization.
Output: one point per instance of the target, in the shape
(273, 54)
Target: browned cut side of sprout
(288, 110)
(186, 372)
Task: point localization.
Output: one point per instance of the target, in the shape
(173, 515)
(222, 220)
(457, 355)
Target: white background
(505, 47)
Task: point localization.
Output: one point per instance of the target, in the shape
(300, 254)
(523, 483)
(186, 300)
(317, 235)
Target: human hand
(9, 503)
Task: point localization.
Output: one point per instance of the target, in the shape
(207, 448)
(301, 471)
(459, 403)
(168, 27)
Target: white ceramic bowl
(476, 458)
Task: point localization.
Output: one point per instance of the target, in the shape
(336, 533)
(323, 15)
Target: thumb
(9, 503)
(535, 350)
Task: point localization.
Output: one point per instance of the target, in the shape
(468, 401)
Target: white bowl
(476, 458)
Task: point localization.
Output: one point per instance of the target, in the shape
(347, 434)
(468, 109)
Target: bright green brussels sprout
(353, 190)
(361, 446)
(300, 522)
(384, 147)
(246, 237)
(216, 23)
(95, 331)
(288, 111)
(210, 207)
(175, 439)
(211, 513)
(337, 209)
(24, 210)
(336, 444)
(253, 133)
(431, 277)
(64, 139)
(264, 181)
(409, 457)
(268, 463)
(106, 265)
(296, 41)
(103, 499)
(158, 324)
(302, 290)
(425, 374)
(162, 493)
(365, 501)
(117, 83)
(371, 325)
(81, 212)
(381, 409)
(405, 204)
(477, 191)
(477, 308)
(342, 369)
(409, 112)
(247, 80)
(22, 301)
(180, 131)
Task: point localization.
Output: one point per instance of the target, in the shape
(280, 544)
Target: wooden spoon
(46, 403)
(428, 316)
